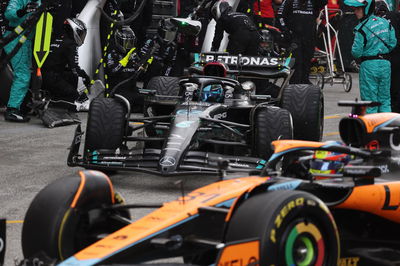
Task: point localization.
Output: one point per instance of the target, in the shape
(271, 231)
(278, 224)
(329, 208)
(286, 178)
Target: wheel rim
(304, 245)
(347, 82)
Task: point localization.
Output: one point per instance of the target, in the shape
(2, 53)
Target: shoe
(15, 115)
(82, 106)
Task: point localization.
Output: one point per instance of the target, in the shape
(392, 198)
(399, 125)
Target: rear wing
(246, 66)
(245, 62)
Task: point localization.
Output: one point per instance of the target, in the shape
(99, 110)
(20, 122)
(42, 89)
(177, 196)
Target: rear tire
(271, 123)
(306, 104)
(294, 228)
(61, 219)
(105, 125)
(164, 85)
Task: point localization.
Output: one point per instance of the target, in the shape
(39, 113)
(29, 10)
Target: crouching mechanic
(61, 70)
(121, 64)
(243, 36)
(374, 39)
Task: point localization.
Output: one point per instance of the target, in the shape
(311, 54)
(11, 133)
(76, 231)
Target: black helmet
(125, 39)
(219, 8)
(76, 30)
(167, 30)
(381, 8)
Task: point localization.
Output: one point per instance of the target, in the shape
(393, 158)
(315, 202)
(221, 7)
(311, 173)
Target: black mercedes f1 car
(193, 123)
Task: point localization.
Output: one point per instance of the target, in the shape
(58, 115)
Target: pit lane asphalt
(32, 156)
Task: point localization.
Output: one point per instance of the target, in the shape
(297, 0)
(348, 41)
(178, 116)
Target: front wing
(149, 161)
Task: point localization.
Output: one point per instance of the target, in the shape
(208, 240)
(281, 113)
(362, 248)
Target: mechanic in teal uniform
(17, 11)
(374, 39)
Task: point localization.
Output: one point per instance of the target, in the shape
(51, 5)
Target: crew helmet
(266, 41)
(167, 30)
(212, 93)
(369, 5)
(381, 8)
(76, 29)
(125, 39)
(219, 8)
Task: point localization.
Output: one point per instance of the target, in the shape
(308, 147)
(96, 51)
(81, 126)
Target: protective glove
(29, 8)
(124, 61)
(85, 77)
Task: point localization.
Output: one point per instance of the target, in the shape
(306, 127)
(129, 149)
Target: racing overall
(61, 70)
(118, 72)
(374, 39)
(297, 19)
(243, 36)
(21, 62)
(164, 58)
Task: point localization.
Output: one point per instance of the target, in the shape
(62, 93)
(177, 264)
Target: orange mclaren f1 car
(316, 203)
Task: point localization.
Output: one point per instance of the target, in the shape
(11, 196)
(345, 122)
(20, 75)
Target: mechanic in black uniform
(61, 70)
(382, 10)
(243, 36)
(297, 20)
(163, 48)
(121, 64)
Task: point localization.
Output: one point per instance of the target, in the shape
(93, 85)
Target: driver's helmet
(368, 5)
(76, 30)
(167, 30)
(328, 162)
(266, 41)
(125, 39)
(212, 93)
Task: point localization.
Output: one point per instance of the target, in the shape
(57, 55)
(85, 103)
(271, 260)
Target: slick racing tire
(66, 216)
(306, 104)
(105, 125)
(293, 227)
(271, 123)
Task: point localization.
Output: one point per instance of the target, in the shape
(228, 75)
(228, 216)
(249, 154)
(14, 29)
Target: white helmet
(219, 8)
(76, 29)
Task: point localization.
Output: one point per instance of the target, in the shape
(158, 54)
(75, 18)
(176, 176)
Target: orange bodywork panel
(284, 145)
(170, 214)
(371, 121)
(380, 199)
(246, 253)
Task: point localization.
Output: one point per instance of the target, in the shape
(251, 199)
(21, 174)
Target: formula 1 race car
(315, 203)
(192, 121)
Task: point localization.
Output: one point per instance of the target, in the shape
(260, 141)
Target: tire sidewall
(305, 207)
(260, 215)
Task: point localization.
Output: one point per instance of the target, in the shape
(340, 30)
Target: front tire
(105, 125)
(294, 228)
(66, 216)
